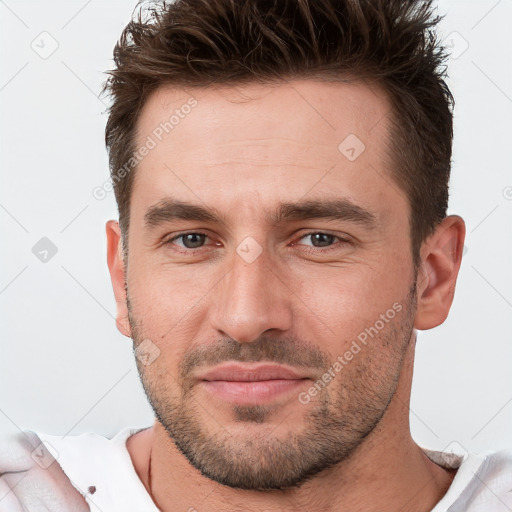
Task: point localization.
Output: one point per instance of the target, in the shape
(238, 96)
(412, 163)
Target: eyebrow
(169, 209)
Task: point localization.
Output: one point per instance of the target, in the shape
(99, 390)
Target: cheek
(352, 295)
(164, 296)
(360, 307)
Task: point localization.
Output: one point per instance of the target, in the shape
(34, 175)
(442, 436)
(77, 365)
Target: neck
(388, 472)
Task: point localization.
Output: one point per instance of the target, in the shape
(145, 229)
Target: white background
(65, 369)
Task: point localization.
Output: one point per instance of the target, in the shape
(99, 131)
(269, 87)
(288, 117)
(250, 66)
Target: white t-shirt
(102, 470)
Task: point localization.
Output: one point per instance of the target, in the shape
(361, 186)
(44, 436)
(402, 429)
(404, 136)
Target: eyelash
(342, 241)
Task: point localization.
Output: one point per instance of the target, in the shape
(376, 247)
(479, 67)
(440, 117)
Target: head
(281, 171)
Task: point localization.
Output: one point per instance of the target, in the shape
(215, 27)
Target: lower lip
(251, 392)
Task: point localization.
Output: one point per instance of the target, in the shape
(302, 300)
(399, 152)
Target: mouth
(251, 384)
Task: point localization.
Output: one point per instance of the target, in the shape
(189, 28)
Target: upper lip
(250, 372)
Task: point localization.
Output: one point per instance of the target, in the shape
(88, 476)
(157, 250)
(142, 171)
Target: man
(281, 172)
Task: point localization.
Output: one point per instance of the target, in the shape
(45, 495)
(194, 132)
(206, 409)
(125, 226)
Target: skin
(241, 152)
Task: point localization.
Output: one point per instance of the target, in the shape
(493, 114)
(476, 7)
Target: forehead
(261, 141)
(301, 112)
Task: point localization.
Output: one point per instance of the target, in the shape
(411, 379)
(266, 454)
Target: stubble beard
(342, 415)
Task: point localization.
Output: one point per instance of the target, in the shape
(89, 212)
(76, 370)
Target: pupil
(193, 240)
(323, 238)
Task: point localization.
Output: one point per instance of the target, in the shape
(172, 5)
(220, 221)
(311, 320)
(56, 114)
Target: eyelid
(342, 240)
(182, 234)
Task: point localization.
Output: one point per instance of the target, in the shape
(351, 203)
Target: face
(269, 275)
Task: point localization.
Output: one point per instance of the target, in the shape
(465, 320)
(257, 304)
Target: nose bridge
(251, 300)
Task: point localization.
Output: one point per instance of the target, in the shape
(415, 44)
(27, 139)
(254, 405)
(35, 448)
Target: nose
(251, 299)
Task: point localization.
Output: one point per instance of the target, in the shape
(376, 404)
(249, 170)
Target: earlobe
(441, 257)
(117, 271)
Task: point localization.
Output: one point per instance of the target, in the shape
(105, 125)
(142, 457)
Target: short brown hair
(206, 42)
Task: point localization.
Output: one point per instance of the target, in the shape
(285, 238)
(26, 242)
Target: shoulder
(23, 451)
(31, 478)
(499, 460)
(89, 454)
(89, 445)
(102, 469)
(494, 480)
(483, 483)
(491, 488)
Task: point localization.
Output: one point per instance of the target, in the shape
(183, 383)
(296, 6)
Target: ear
(441, 256)
(117, 271)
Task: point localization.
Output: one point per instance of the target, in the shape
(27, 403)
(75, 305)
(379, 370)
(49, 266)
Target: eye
(320, 240)
(191, 240)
